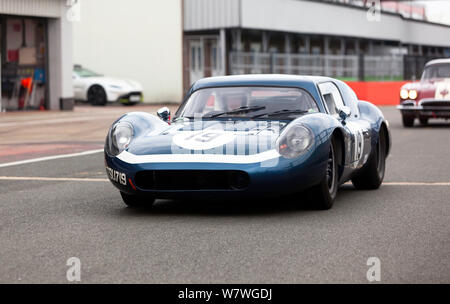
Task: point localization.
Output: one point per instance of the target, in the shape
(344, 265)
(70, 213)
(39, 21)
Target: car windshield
(248, 102)
(82, 72)
(436, 71)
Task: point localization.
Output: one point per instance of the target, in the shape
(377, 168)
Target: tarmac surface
(59, 208)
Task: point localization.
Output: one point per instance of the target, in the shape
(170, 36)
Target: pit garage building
(316, 37)
(36, 54)
(167, 45)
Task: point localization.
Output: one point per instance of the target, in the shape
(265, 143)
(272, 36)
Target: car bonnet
(234, 137)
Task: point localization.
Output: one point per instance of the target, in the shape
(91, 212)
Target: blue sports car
(250, 136)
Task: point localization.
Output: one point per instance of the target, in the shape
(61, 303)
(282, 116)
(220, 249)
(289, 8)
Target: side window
(349, 97)
(331, 105)
(332, 97)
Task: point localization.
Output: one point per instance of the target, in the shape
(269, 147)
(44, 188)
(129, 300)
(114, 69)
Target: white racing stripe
(34, 160)
(198, 158)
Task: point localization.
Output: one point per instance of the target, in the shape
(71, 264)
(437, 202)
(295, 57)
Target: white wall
(60, 59)
(135, 39)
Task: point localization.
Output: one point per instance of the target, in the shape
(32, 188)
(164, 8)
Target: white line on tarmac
(57, 120)
(34, 160)
(416, 184)
(53, 179)
(85, 179)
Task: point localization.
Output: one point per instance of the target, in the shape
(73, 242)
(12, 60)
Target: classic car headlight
(120, 137)
(412, 94)
(404, 94)
(294, 141)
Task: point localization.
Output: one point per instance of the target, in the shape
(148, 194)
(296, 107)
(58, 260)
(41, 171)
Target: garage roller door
(38, 8)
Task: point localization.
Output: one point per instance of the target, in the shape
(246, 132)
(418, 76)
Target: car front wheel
(423, 120)
(97, 96)
(408, 121)
(134, 201)
(325, 192)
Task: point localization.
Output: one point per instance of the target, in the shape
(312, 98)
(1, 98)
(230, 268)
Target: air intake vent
(192, 180)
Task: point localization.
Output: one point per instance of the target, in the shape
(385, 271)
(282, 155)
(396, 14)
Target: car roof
(438, 61)
(261, 80)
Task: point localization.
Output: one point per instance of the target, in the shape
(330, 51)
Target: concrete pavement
(404, 224)
(25, 135)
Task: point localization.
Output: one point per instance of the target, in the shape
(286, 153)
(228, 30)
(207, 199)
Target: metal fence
(414, 64)
(383, 67)
(351, 67)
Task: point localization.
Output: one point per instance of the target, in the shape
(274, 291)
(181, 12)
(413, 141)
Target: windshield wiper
(239, 110)
(280, 112)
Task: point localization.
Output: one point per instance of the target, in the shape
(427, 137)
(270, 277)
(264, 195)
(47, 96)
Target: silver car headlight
(404, 94)
(295, 141)
(412, 94)
(120, 136)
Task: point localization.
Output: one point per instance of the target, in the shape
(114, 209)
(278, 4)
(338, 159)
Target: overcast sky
(437, 10)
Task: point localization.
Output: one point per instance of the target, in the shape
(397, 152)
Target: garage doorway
(23, 49)
(204, 57)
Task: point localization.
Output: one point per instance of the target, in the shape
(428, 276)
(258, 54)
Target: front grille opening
(192, 180)
(408, 104)
(436, 104)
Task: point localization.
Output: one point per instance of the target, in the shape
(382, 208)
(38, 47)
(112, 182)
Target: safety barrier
(382, 93)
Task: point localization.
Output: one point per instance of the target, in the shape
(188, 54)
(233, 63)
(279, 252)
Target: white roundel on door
(203, 140)
(442, 89)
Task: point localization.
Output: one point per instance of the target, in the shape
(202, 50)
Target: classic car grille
(409, 103)
(192, 180)
(433, 103)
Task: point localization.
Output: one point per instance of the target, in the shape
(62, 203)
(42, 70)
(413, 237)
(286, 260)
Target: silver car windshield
(248, 102)
(436, 71)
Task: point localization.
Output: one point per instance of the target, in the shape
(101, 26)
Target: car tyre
(423, 120)
(324, 193)
(372, 173)
(97, 96)
(129, 104)
(135, 201)
(408, 121)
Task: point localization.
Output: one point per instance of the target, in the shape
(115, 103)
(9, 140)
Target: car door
(358, 145)
(78, 87)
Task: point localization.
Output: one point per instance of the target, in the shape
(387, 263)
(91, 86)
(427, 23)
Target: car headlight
(404, 94)
(119, 137)
(113, 86)
(294, 141)
(412, 94)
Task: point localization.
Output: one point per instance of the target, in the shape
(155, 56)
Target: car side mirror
(345, 112)
(164, 114)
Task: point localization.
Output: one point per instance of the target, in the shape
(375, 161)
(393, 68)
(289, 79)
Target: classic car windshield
(436, 71)
(248, 102)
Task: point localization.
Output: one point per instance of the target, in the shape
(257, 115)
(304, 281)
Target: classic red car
(429, 97)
